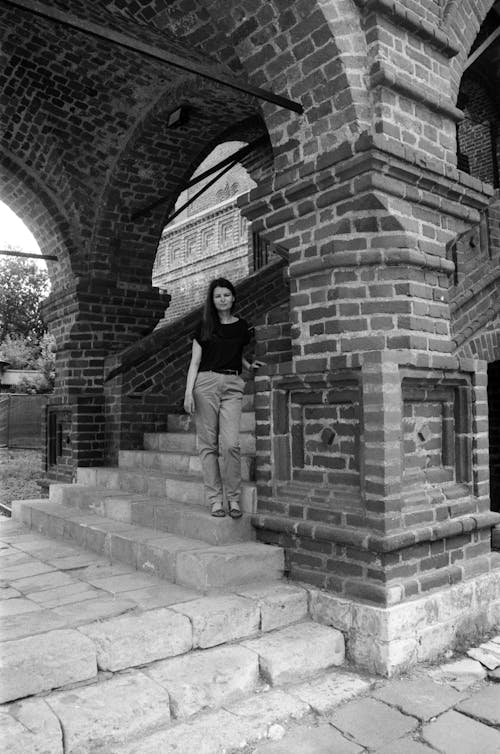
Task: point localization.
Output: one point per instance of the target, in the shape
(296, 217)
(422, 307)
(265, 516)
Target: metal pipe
(10, 253)
(232, 159)
(200, 192)
(123, 40)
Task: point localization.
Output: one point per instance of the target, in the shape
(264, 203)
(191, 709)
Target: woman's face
(223, 299)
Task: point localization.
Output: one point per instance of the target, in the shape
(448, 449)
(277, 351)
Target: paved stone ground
(452, 707)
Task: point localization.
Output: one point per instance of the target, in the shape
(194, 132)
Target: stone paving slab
(261, 711)
(88, 611)
(206, 679)
(15, 557)
(93, 717)
(66, 595)
(30, 727)
(48, 580)
(322, 694)
(131, 640)
(158, 556)
(29, 624)
(322, 739)
(454, 733)
(217, 620)
(420, 698)
(72, 562)
(17, 606)
(7, 593)
(209, 734)
(48, 552)
(460, 674)
(372, 723)
(406, 746)
(44, 662)
(297, 652)
(98, 568)
(280, 604)
(161, 596)
(484, 705)
(229, 565)
(126, 582)
(488, 654)
(23, 570)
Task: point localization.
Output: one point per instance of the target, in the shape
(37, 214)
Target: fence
(21, 420)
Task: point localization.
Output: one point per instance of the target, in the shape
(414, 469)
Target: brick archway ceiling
(88, 118)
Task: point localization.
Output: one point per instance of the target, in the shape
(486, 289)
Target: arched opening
(15, 236)
(494, 432)
(208, 238)
(478, 134)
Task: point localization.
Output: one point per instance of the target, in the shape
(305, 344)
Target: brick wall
(211, 244)
(478, 139)
(494, 432)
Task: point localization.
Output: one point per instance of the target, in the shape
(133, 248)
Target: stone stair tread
(189, 562)
(188, 519)
(194, 476)
(209, 706)
(181, 441)
(176, 486)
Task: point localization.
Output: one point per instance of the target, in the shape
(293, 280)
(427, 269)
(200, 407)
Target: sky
(14, 232)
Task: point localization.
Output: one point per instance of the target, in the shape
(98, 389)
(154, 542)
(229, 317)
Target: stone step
(167, 485)
(185, 423)
(208, 700)
(185, 442)
(193, 521)
(177, 462)
(185, 561)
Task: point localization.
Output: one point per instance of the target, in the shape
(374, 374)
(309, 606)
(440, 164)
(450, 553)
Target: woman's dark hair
(210, 317)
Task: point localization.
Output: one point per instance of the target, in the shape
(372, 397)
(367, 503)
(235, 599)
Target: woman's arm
(253, 365)
(191, 377)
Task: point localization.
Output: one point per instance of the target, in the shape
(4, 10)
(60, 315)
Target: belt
(234, 372)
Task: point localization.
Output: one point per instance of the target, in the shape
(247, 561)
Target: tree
(27, 353)
(23, 286)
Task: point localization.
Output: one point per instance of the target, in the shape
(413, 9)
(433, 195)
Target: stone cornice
(400, 171)
(409, 257)
(396, 12)
(368, 540)
(200, 219)
(387, 77)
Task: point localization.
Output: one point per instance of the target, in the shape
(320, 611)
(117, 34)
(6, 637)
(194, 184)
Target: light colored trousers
(218, 399)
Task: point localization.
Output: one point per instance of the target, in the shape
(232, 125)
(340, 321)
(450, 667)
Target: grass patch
(19, 471)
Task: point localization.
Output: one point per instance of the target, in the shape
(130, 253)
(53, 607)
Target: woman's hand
(189, 403)
(256, 364)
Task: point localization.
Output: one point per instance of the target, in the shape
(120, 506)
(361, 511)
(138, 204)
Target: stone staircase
(150, 512)
(186, 637)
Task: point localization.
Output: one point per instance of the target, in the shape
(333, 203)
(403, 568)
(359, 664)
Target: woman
(214, 392)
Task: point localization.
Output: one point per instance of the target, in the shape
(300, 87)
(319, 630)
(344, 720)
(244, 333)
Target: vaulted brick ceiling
(88, 117)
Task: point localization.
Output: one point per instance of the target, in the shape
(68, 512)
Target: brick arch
(462, 20)
(157, 162)
(303, 51)
(485, 345)
(39, 211)
(300, 50)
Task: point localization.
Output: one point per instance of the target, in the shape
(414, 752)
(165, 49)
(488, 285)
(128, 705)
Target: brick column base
(392, 639)
(374, 475)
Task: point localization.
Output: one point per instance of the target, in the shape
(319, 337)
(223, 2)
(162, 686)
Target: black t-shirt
(225, 348)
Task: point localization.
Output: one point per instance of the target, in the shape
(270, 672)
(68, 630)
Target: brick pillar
(372, 467)
(91, 320)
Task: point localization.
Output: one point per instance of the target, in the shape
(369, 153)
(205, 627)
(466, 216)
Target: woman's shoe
(234, 510)
(218, 510)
